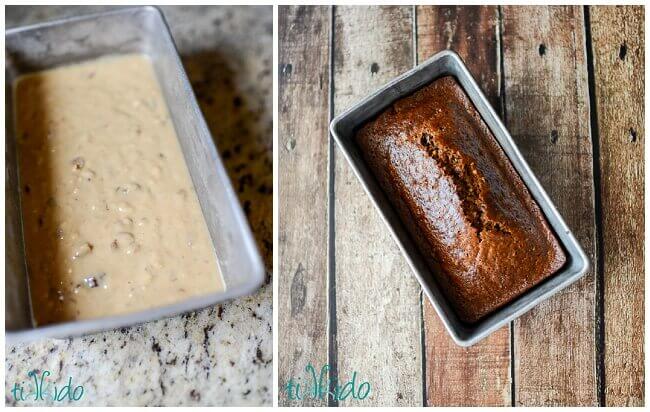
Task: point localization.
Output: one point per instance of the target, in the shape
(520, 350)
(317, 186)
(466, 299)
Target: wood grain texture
(377, 297)
(547, 112)
(619, 62)
(478, 375)
(303, 156)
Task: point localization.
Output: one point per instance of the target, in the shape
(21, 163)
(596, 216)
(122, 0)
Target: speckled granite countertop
(220, 355)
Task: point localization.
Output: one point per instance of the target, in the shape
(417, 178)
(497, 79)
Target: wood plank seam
(598, 267)
(501, 74)
(332, 347)
(504, 117)
(423, 348)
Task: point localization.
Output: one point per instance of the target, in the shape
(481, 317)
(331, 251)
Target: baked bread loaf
(473, 219)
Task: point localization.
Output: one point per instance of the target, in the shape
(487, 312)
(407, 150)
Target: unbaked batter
(112, 223)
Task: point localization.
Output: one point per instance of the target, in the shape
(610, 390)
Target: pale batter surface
(111, 220)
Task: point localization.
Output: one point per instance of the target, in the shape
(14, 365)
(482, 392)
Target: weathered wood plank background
(303, 151)
(619, 56)
(569, 84)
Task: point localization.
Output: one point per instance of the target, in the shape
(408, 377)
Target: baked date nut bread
(473, 219)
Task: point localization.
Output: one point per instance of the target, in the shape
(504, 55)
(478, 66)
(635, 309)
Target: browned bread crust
(467, 209)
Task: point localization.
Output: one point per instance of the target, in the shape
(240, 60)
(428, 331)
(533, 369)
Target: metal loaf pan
(132, 30)
(343, 128)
